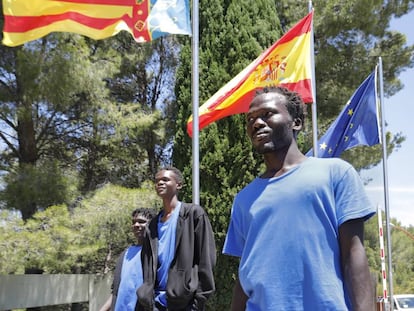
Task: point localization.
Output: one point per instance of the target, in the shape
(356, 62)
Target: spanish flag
(286, 63)
(26, 20)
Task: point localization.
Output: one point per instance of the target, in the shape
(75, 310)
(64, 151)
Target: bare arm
(107, 305)
(354, 264)
(238, 302)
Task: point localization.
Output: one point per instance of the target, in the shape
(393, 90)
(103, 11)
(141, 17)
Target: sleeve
(351, 200)
(117, 277)
(234, 242)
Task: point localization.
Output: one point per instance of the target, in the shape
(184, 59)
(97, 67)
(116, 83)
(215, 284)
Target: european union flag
(356, 125)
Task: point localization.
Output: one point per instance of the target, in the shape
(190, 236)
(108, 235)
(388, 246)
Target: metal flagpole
(313, 105)
(385, 177)
(382, 254)
(195, 96)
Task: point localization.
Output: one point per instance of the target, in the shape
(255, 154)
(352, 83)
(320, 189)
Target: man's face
(139, 222)
(166, 184)
(269, 124)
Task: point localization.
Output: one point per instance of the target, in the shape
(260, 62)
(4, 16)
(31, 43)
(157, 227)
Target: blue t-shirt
(166, 251)
(131, 279)
(285, 229)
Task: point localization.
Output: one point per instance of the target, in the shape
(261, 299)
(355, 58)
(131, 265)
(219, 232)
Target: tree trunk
(27, 148)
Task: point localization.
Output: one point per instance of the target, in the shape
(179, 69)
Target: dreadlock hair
(295, 104)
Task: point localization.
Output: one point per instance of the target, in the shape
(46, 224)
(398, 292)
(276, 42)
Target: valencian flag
(286, 63)
(356, 125)
(26, 20)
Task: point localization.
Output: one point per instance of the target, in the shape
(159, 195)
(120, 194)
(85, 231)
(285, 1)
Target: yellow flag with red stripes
(146, 20)
(286, 63)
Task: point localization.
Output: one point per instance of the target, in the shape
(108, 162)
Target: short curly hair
(295, 105)
(178, 175)
(148, 213)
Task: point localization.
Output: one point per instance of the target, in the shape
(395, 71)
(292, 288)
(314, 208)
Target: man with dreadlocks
(297, 228)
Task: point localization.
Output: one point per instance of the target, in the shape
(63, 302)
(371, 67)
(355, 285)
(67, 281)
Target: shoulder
(152, 228)
(192, 209)
(328, 162)
(121, 256)
(254, 184)
(329, 171)
(334, 165)
(123, 252)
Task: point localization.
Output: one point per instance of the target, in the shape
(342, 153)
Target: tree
(48, 90)
(143, 92)
(97, 109)
(402, 257)
(231, 36)
(62, 239)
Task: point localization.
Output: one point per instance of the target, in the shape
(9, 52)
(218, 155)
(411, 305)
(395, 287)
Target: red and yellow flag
(26, 20)
(286, 63)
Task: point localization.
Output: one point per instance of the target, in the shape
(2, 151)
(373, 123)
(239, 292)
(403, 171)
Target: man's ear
(179, 186)
(297, 124)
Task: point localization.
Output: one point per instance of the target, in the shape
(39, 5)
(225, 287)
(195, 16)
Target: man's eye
(263, 116)
(267, 115)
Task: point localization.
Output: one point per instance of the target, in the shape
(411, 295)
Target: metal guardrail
(37, 290)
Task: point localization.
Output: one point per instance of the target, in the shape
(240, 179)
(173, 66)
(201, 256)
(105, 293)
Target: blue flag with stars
(356, 125)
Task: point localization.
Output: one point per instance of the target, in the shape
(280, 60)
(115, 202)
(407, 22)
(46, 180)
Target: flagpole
(195, 95)
(313, 105)
(385, 177)
(382, 254)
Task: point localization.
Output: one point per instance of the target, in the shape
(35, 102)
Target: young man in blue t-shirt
(128, 272)
(297, 228)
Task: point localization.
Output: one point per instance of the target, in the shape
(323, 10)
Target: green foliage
(82, 239)
(402, 258)
(95, 107)
(42, 186)
(50, 88)
(402, 248)
(110, 232)
(11, 255)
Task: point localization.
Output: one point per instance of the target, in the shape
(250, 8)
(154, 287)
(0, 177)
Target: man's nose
(259, 122)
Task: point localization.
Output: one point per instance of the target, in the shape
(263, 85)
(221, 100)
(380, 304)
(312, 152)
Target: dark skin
(355, 265)
(139, 222)
(167, 187)
(273, 131)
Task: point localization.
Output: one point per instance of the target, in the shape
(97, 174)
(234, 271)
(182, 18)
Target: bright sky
(399, 114)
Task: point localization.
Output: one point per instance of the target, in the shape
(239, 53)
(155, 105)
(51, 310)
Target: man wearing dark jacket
(178, 254)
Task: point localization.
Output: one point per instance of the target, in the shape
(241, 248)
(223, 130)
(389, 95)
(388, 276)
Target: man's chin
(264, 149)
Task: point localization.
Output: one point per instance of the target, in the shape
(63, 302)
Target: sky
(399, 116)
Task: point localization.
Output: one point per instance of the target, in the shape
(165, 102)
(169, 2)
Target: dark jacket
(117, 278)
(190, 276)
